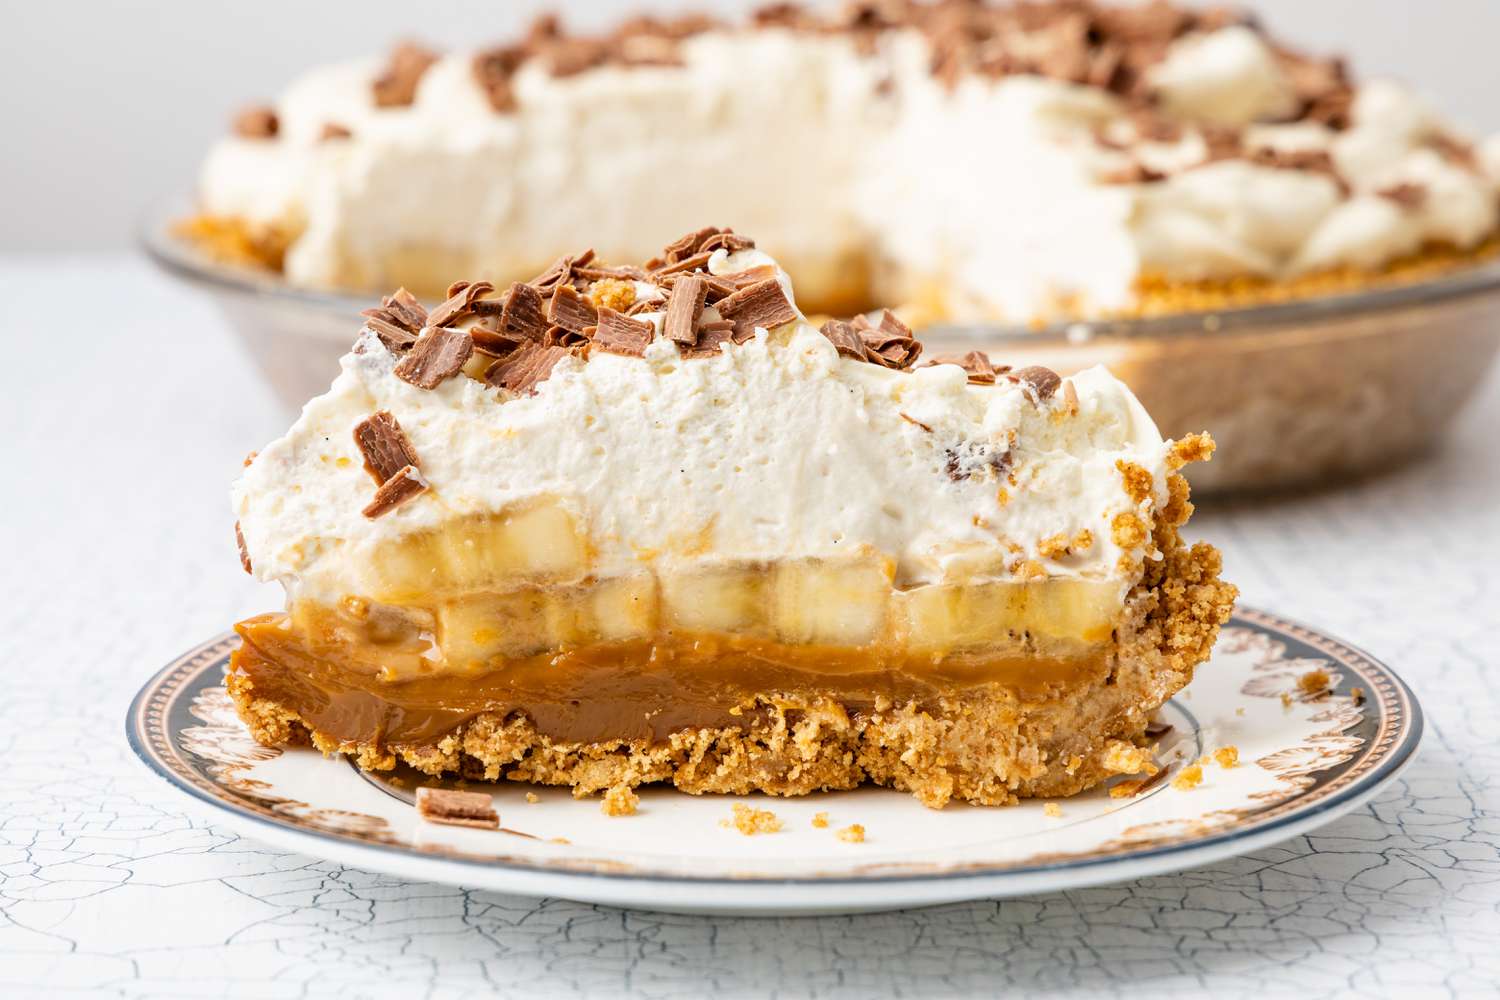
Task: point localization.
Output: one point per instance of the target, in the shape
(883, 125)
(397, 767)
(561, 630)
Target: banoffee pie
(623, 525)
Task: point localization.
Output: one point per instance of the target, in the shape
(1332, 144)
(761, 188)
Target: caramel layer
(632, 690)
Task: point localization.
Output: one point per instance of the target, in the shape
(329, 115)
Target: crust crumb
(1127, 530)
(1059, 545)
(1138, 481)
(820, 820)
(1178, 508)
(1193, 448)
(1123, 758)
(1053, 546)
(1314, 681)
(533, 798)
(1286, 700)
(1052, 809)
(1227, 757)
(620, 801)
(751, 821)
(1190, 777)
(1031, 570)
(612, 293)
(1357, 695)
(851, 834)
(1074, 763)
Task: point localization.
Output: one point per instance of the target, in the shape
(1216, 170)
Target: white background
(109, 104)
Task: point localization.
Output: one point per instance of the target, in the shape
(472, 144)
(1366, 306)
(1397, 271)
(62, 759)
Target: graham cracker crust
(848, 284)
(984, 746)
(1160, 296)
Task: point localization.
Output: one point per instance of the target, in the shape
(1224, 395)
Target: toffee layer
(642, 690)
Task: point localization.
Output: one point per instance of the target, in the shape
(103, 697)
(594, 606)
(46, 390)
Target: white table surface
(126, 410)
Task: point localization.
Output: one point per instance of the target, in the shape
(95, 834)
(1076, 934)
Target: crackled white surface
(108, 887)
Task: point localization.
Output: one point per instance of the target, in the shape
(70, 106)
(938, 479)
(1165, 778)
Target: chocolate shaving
(692, 263)
(687, 245)
(405, 310)
(570, 310)
(685, 308)
(1135, 173)
(763, 304)
(846, 338)
(571, 56)
(711, 336)
(1222, 142)
(890, 344)
(455, 808)
(561, 336)
(1316, 161)
(396, 86)
(1334, 109)
(385, 446)
(438, 354)
(396, 339)
(1407, 195)
(395, 491)
(619, 334)
(1455, 151)
(493, 69)
(333, 131)
(460, 302)
(239, 540)
(975, 363)
(522, 313)
(259, 122)
(494, 343)
(625, 272)
(784, 15)
(560, 270)
(526, 367)
(1039, 382)
(726, 239)
(749, 276)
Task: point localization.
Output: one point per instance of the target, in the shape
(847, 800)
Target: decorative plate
(1304, 759)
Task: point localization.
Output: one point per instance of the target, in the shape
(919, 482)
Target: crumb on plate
(620, 801)
(1190, 777)
(750, 821)
(1314, 681)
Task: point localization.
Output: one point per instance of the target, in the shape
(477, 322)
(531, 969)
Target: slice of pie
(623, 525)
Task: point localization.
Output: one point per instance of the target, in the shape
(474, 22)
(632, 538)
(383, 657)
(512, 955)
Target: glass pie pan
(1297, 394)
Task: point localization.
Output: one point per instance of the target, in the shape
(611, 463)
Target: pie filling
(638, 689)
(642, 657)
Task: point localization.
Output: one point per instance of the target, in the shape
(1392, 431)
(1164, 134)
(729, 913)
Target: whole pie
(967, 160)
(619, 525)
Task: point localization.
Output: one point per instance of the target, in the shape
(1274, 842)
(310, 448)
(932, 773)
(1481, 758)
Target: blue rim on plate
(1390, 733)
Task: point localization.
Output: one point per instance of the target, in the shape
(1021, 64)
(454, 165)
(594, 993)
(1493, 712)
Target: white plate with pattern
(1304, 760)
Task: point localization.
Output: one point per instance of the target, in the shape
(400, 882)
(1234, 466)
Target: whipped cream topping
(984, 197)
(778, 448)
